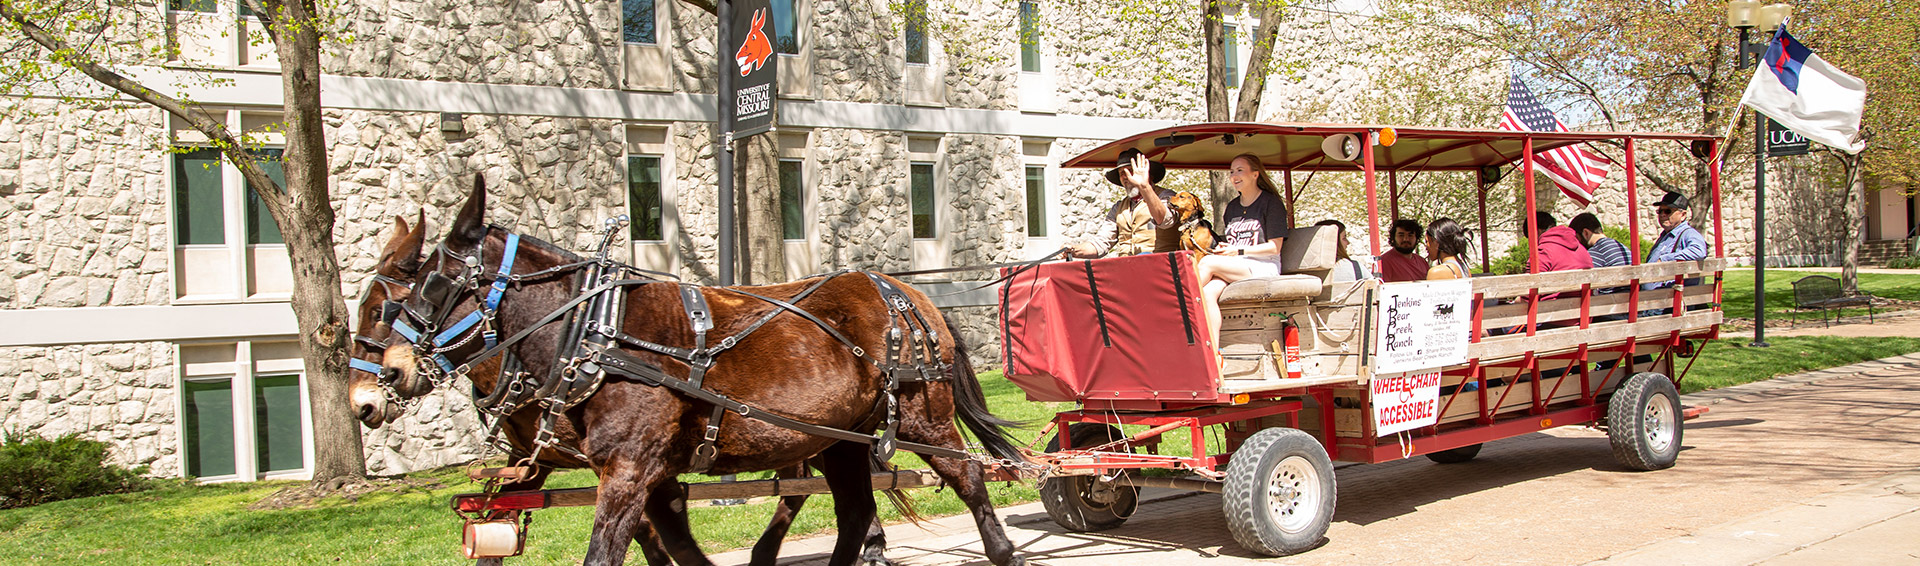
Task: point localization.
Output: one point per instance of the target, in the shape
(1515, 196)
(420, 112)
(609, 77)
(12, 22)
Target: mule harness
(591, 343)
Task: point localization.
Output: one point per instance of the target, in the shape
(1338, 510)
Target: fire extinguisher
(1290, 333)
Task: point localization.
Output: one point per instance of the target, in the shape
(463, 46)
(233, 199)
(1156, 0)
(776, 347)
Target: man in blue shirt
(1678, 241)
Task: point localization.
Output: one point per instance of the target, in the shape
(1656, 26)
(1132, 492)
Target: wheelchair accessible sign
(1422, 327)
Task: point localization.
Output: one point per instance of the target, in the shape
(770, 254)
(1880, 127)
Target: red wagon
(1385, 371)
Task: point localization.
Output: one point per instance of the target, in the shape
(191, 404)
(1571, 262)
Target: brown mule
(638, 437)
(399, 258)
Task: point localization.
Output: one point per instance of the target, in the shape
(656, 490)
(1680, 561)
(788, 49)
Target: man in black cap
(1139, 223)
(1678, 240)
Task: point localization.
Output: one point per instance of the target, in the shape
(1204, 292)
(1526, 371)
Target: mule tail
(970, 404)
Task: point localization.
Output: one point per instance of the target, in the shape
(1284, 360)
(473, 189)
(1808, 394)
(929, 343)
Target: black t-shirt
(1265, 220)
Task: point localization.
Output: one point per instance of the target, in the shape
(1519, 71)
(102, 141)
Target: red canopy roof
(1297, 146)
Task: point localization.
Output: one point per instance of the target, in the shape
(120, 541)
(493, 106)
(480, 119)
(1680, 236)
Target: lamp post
(1745, 15)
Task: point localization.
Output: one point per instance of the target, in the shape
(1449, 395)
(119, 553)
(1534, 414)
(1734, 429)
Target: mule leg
(619, 516)
(667, 510)
(969, 482)
(848, 470)
(766, 552)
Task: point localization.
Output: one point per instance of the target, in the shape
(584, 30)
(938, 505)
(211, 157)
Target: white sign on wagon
(1405, 401)
(1422, 325)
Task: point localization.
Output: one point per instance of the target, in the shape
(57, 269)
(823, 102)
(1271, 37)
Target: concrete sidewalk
(1813, 468)
(1876, 523)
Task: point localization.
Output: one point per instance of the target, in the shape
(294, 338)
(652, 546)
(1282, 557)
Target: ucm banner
(1422, 325)
(1405, 401)
(752, 101)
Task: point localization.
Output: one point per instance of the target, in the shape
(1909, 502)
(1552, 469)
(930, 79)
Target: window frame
(660, 198)
(653, 24)
(1036, 172)
(915, 23)
(932, 196)
(790, 226)
(1029, 30)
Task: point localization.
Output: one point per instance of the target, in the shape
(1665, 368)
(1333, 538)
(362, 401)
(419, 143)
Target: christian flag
(1577, 170)
(1802, 92)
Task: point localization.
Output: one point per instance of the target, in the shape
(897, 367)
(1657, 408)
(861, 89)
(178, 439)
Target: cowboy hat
(1155, 171)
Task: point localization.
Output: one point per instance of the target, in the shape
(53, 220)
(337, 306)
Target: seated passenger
(1256, 226)
(1345, 268)
(1139, 223)
(1401, 263)
(1446, 242)
(1679, 241)
(1606, 252)
(1559, 249)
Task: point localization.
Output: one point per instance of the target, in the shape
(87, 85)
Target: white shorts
(1258, 265)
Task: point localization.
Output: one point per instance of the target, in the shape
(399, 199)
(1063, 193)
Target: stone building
(147, 303)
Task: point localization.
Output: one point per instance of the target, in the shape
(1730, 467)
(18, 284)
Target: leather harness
(593, 346)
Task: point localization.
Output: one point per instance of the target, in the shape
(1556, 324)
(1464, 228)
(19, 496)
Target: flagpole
(1759, 212)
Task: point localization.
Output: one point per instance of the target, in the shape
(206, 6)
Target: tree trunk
(1254, 82)
(319, 307)
(1214, 33)
(1854, 228)
(764, 258)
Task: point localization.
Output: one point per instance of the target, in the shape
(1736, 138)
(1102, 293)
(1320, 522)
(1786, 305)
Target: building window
(1036, 202)
(202, 6)
(643, 197)
(199, 198)
(920, 182)
(199, 201)
(792, 192)
(261, 229)
(209, 427)
(916, 20)
(1231, 38)
(786, 29)
(1030, 36)
(279, 439)
(243, 410)
(637, 21)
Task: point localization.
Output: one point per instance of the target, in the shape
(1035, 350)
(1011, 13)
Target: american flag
(1576, 169)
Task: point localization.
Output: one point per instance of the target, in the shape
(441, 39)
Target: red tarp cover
(1155, 345)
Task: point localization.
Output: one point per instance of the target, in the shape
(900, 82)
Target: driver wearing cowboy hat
(1139, 223)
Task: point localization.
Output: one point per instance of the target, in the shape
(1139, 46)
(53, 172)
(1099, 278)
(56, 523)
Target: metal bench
(1819, 292)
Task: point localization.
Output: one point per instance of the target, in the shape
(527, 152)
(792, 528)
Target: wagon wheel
(1455, 455)
(1644, 422)
(1280, 492)
(1085, 503)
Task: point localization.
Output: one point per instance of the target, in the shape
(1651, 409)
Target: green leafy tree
(51, 44)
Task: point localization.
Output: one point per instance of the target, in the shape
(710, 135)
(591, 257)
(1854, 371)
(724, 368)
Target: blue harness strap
(363, 365)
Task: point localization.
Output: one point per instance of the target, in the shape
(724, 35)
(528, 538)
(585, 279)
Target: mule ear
(401, 255)
(469, 227)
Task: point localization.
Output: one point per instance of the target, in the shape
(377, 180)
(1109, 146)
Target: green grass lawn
(210, 524)
(1737, 300)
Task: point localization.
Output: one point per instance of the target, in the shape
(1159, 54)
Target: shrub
(1909, 262)
(34, 470)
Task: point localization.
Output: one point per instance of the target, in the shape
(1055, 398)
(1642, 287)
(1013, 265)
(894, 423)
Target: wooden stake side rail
(586, 496)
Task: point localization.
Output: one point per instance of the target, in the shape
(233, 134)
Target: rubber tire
(1067, 498)
(1282, 455)
(1455, 455)
(1645, 423)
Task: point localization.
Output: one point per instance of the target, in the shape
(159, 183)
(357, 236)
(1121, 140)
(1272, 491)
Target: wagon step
(585, 496)
(1693, 412)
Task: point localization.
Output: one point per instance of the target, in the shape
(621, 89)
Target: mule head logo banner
(753, 95)
(756, 50)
